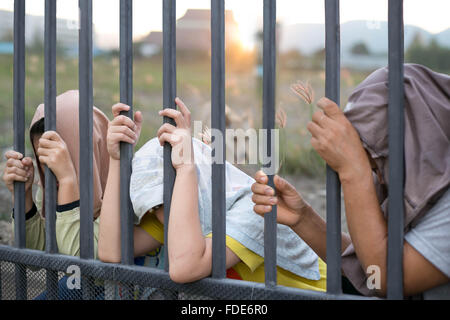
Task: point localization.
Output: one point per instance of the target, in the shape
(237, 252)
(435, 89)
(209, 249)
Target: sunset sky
(431, 15)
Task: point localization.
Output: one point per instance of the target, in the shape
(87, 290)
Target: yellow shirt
(251, 266)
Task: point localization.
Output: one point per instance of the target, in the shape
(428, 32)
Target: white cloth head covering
(242, 223)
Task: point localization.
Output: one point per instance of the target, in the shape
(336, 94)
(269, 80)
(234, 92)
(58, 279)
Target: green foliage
(304, 161)
(293, 59)
(433, 55)
(360, 48)
(8, 36)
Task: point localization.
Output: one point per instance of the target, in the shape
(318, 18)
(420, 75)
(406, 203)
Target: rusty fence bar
(50, 198)
(269, 78)
(218, 124)
(19, 140)
(333, 187)
(85, 86)
(396, 151)
(169, 94)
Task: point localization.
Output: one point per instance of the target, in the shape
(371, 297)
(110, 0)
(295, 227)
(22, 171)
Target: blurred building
(66, 33)
(193, 33)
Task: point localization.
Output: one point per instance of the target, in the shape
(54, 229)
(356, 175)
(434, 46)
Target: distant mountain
(444, 37)
(309, 38)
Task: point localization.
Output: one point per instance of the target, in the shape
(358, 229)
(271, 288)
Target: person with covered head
(189, 236)
(354, 143)
(59, 151)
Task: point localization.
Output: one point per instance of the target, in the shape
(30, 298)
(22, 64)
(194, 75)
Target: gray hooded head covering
(427, 144)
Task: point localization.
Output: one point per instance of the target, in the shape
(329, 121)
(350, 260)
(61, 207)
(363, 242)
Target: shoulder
(440, 209)
(430, 235)
(437, 218)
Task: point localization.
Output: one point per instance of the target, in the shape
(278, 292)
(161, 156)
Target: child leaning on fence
(189, 229)
(60, 152)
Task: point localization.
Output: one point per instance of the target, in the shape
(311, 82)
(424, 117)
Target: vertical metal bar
(50, 124)
(269, 78)
(85, 129)
(50, 119)
(396, 151)
(332, 85)
(126, 149)
(169, 94)
(85, 124)
(218, 123)
(19, 140)
(19, 117)
(1, 285)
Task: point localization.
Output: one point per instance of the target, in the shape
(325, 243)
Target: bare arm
(368, 229)
(294, 212)
(190, 252)
(313, 230)
(109, 245)
(339, 144)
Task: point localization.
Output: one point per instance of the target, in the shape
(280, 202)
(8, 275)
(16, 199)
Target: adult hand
(122, 129)
(337, 141)
(290, 204)
(179, 136)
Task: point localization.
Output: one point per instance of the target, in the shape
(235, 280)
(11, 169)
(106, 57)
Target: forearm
(368, 229)
(28, 199)
(313, 230)
(185, 238)
(109, 249)
(365, 220)
(68, 190)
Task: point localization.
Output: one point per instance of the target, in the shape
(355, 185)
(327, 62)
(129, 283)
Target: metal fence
(22, 261)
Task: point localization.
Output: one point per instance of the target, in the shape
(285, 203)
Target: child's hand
(291, 205)
(52, 151)
(122, 129)
(179, 137)
(18, 168)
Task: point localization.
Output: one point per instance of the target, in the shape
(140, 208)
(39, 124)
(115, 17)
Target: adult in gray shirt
(430, 236)
(354, 143)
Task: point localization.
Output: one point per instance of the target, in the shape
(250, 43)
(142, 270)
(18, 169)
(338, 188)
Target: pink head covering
(427, 144)
(68, 128)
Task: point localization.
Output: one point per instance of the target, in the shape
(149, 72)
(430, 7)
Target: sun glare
(247, 24)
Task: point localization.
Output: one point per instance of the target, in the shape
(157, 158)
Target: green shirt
(67, 230)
